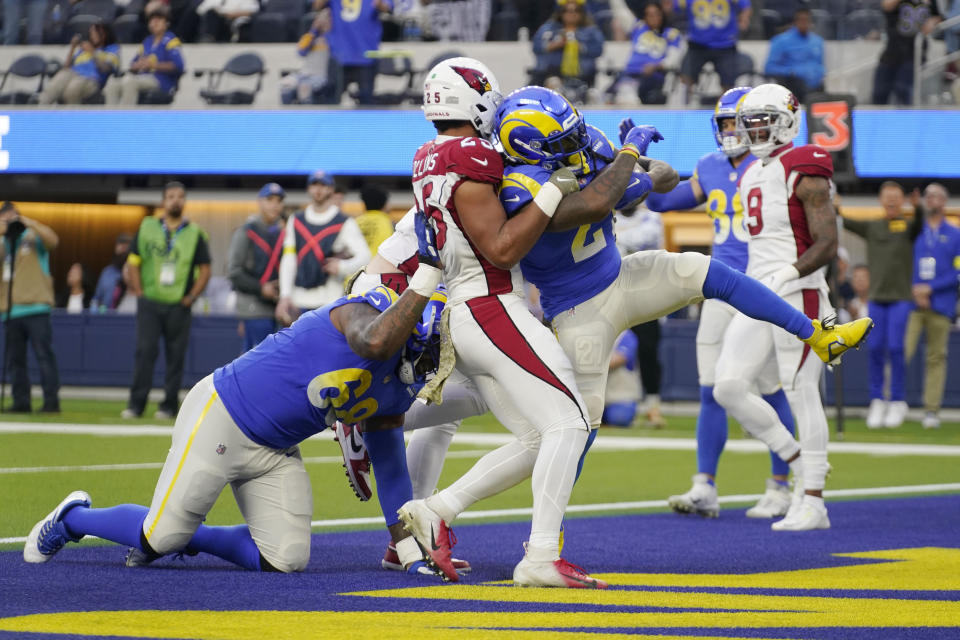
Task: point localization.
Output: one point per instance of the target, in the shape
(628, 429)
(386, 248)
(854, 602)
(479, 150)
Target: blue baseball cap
(320, 176)
(272, 189)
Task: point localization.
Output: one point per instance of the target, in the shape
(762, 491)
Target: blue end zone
(94, 579)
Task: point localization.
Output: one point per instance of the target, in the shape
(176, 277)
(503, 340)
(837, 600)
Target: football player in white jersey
(514, 361)
(793, 236)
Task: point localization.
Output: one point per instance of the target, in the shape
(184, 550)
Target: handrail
(922, 69)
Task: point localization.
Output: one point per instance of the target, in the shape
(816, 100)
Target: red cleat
(356, 461)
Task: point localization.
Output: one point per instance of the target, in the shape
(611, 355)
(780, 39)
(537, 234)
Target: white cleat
(554, 573)
(774, 503)
(896, 414)
(50, 535)
(931, 420)
(876, 413)
(433, 534)
(807, 517)
(701, 499)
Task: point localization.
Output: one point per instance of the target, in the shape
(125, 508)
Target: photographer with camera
(89, 63)
(25, 306)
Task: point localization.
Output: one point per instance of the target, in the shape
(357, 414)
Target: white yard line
(629, 506)
(492, 440)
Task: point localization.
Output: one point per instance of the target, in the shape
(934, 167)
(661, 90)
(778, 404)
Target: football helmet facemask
(421, 353)
(732, 143)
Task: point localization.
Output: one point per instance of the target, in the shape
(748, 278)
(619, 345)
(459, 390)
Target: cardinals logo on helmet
(474, 79)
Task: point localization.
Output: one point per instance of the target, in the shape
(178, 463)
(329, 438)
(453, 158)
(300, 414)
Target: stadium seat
(772, 22)
(863, 23)
(504, 25)
(223, 85)
(824, 24)
(129, 29)
(106, 10)
(396, 67)
(80, 25)
(269, 27)
(23, 81)
(747, 74)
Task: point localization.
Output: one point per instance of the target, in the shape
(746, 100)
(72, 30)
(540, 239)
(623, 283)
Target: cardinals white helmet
(462, 89)
(768, 118)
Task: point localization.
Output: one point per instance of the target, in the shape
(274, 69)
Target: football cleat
(830, 341)
(137, 558)
(931, 420)
(50, 534)
(701, 499)
(774, 503)
(876, 413)
(356, 460)
(556, 573)
(806, 517)
(896, 413)
(391, 561)
(433, 534)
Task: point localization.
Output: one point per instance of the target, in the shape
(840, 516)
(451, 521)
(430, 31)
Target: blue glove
(426, 234)
(640, 137)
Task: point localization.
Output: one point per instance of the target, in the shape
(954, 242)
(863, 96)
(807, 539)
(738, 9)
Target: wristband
(425, 280)
(632, 149)
(548, 198)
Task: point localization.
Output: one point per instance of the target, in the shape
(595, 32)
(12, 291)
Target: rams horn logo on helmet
(475, 80)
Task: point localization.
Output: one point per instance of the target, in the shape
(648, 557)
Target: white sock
(816, 501)
(426, 452)
(814, 470)
(553, 477)
(495, 472)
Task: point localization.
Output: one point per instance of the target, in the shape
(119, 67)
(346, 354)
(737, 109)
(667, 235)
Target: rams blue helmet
(421, 353)
(732, 143)
(535, 125)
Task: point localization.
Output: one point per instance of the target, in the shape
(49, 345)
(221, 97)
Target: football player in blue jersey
(588, 294)
(714, 182)
(361, 359)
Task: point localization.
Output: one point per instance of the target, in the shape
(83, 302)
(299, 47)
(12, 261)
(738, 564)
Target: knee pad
(690, 264)
(727, 392)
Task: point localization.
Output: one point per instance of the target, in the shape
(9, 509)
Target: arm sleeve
(859, 227)
(640, 185)
(288, 263)
(680, 198)
(239, 278)
(176, 54)
(350, 241)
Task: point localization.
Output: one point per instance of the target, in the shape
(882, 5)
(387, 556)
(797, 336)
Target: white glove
(781, 277)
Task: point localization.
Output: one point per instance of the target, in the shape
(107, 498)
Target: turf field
(627, 476)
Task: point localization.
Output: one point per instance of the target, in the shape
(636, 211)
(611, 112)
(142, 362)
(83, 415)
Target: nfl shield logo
(221, 449)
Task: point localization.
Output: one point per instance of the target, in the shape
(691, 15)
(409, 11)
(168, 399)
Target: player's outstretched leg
(756, 300)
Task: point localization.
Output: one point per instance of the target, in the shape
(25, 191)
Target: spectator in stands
(222, 20)
(623, 383)
(713, 33)
(110, 284)
(254, 266)
(567, 48)
(355, 30)
(157, 66)
(889, 254)
(655, 49)
(75, 298)
(859, 306)
(894, 74)
(311, 85)
(459, 20)
(36, 12)
(28, 320)
(640, 229)
(169, 266)
(375, 224)
(89, 63)
(936, 268)
(321, 248)
(795, 59)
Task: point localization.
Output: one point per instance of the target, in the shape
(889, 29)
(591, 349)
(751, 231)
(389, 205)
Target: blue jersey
(166, 49)
(649, 46)
(626, 346)
(300, 380)
(568, 267)
(712, 23)
(355, 29)
(718, 181)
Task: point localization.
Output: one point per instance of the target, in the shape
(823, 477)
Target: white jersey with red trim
(439, 168)
(775, 216)
(400, 249)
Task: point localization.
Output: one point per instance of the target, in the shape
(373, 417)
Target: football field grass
(38, 468)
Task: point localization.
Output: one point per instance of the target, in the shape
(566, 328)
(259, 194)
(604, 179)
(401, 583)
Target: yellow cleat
(830, 342)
